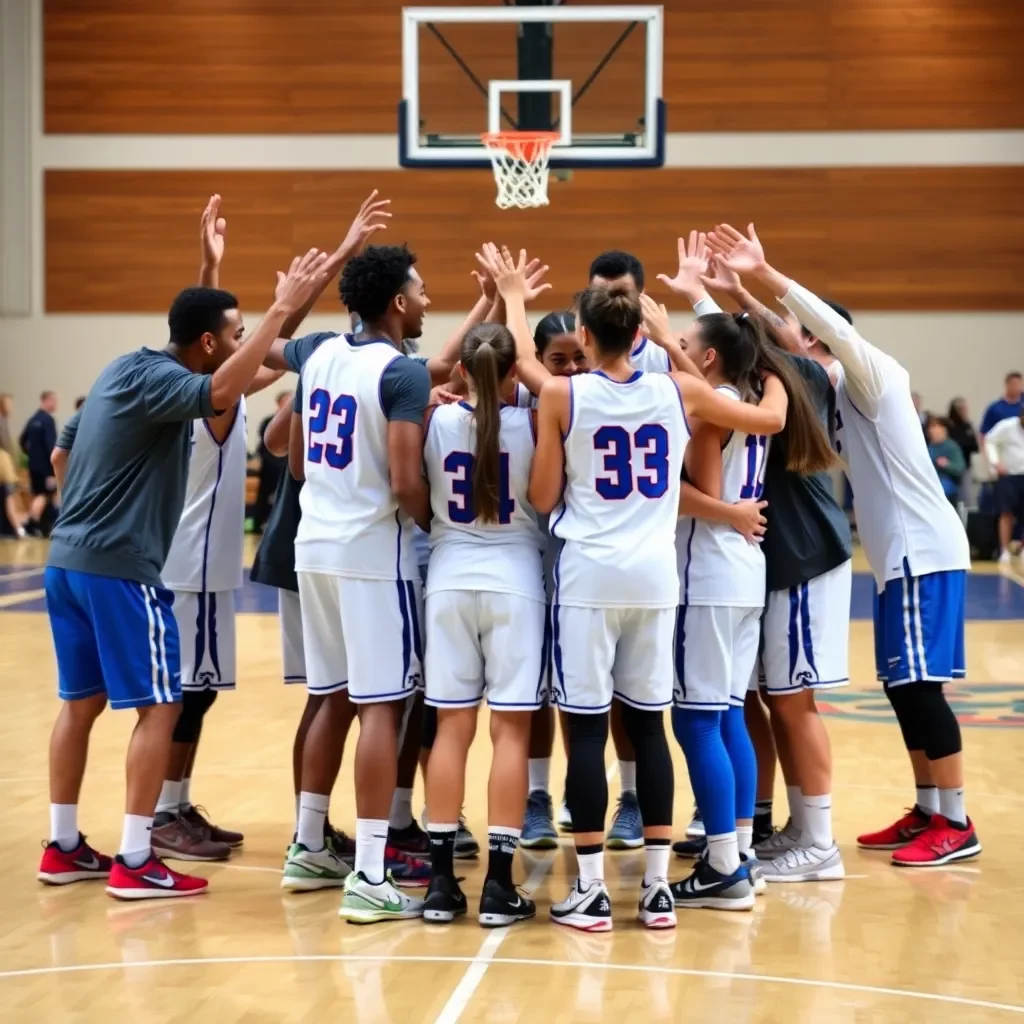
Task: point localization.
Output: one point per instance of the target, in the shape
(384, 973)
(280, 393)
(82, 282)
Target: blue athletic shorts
(113, 636)
(919, 628)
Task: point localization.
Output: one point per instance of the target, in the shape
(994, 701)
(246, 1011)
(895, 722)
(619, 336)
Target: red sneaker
(153, 880)
(896, 836)
(81, 864)
(939, 844)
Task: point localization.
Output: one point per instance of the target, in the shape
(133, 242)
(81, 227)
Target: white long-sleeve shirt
(902, 514)
(1004, 445)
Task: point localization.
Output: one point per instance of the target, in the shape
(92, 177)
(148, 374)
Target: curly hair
(371, 280)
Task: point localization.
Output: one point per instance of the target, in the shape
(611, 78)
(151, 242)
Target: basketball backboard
(591, 73)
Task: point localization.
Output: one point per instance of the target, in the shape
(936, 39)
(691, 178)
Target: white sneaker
(779, 842)
(309, 870)
(695, 830)
(805, 864)
(564, 818)
(657, 905)
(364, 903)
(1004, 557)
(756, 874)
(588, 909)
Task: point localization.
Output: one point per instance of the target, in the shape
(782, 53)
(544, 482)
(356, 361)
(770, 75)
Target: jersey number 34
(321, 408)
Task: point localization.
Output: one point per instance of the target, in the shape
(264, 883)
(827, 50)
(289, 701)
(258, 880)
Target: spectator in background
(271, 468)
(9, 468)
(946, 456)
(961, 430)
(1011, 403)
(922, 414)
(38, 440)
(1004, 449)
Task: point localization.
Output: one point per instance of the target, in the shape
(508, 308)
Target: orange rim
(521, 145)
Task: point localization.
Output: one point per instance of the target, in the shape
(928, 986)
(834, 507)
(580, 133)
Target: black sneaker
(411, 839)
(690, 847)
(708, 890)
(500, 906)
(762, 828)
(445, 901)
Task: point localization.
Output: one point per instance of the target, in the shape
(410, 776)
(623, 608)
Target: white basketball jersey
(623, 460)
(351, 523)
(649, 357)
(206, 552)
(466, 554)
(525, 399)
(901, 510)
(717, 566)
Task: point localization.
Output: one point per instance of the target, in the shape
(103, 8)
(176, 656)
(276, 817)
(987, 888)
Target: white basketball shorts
(600, 653)
(206, 624)
(480, 641)
(716, 653)
(293, 657)
(806, 639)
(365, 635)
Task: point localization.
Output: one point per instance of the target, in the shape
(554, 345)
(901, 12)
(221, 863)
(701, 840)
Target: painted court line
(686, 972)
(10, 600)
(21, 574)
(470, 981)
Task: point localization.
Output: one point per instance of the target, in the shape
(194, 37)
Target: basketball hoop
(520, 162)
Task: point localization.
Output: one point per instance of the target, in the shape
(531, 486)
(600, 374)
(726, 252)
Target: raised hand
(488, 289)
(212, 228)
(508, 276)
(306, 274)
(372, 216)
(535, 284)
(656, 324)
(743, 254)
(693, 264)
(721, 278)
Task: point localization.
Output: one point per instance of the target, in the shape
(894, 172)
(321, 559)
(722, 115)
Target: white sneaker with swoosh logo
(365, 903)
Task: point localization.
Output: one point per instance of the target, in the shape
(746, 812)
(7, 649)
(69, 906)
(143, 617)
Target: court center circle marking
(488, 961)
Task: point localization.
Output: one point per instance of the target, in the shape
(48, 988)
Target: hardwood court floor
(883, 945)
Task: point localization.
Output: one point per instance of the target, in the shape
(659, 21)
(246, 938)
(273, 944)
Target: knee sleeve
(929, 719)
(429, 727)
(744, 761)
(586, 785)
(655, 780)
(194, 705)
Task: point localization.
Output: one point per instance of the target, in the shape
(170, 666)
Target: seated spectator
(1004, 448)
(946, 456)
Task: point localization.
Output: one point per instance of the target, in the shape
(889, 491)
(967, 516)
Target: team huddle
(598, 516)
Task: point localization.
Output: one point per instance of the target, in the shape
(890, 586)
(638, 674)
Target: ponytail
(488, 355)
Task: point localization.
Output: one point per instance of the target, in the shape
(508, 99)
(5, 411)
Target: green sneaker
(364, 903)
(308, 870)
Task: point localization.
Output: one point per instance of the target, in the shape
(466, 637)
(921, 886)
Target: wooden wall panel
(908, 238)
(271, 66)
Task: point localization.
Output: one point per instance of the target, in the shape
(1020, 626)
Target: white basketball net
(520, 161)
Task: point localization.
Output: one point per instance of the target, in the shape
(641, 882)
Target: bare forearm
(278, 431)
(292, 323)
(263, 379)
(413, 498)
(694, 502)
(209, 275)
(233, 378)
(496, 314)
(441, 365)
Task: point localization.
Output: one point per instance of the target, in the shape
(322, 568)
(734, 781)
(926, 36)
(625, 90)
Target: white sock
(136, 844)
(371, 838)
(401, 808)
(657, 858)
(298, 804)
(170, 797)
(64, 826)
(724, 853)
(951, 805)
(186, 796)
(627, 776)
(928, 799)
(540, 773)
(312, 815)
(744, 837)
(591, 867)
(818, 820)
(796, 807)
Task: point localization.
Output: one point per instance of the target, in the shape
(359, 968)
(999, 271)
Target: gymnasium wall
(878, 145)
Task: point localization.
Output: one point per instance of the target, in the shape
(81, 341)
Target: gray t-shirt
(125, 486)
(808, 533)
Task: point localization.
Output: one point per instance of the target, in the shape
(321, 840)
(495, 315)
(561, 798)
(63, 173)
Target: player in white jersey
(722, 593)
(918, 552)
(615, 438)
(359, 586)
(485, 618)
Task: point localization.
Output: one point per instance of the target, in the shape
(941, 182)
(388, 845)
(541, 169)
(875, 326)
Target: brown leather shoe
(179, 840)
(197, 819)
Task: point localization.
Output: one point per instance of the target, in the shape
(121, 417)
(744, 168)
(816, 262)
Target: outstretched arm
(211, 239)
(702, 401)
(657, 328)
(865, 367)
(548, 468)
